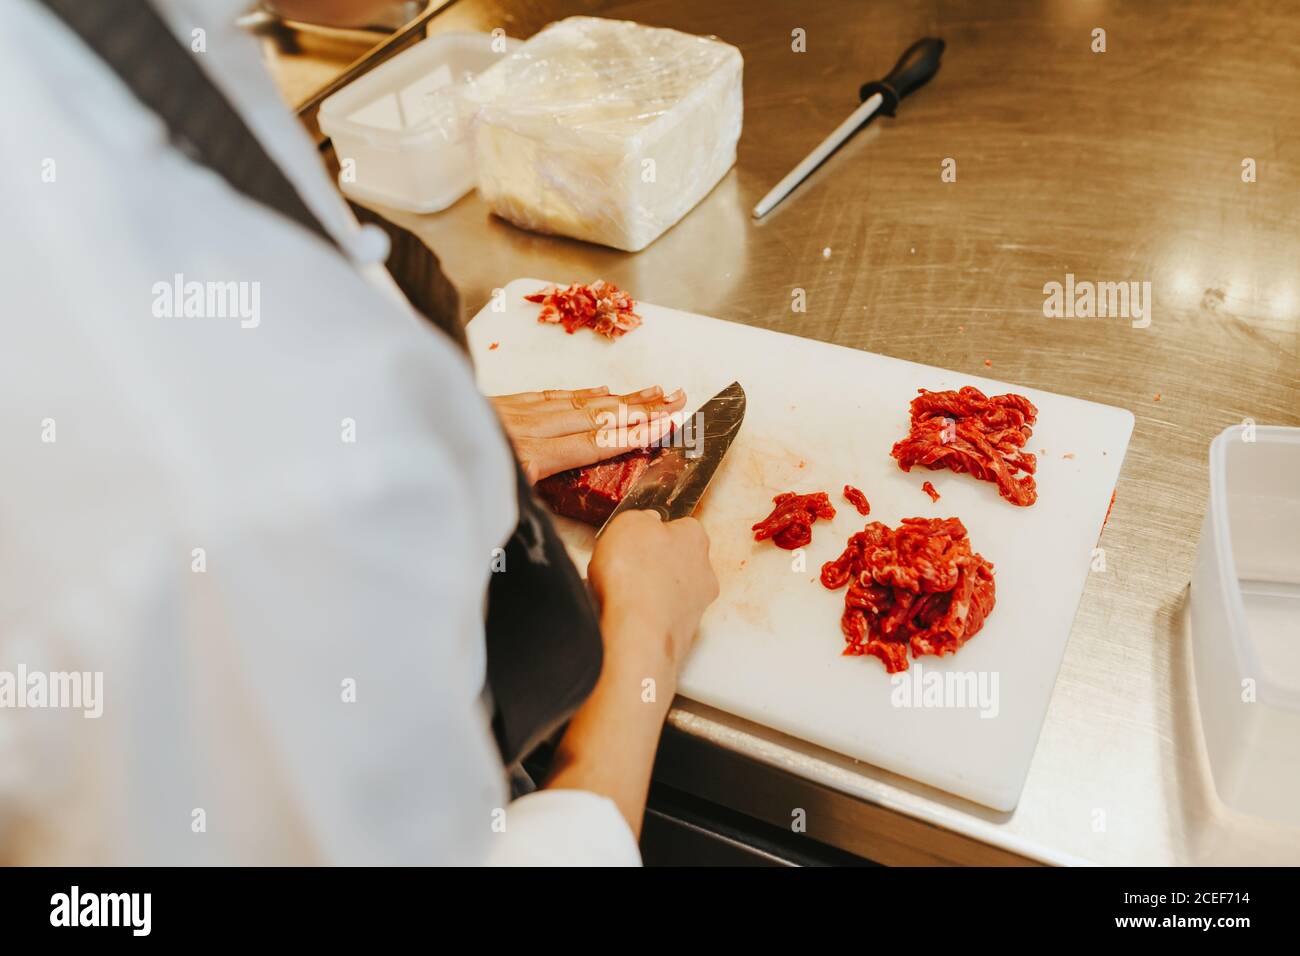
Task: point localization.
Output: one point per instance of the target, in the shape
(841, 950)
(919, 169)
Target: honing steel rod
(915, 67)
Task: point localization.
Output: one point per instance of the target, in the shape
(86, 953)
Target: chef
(254, 500)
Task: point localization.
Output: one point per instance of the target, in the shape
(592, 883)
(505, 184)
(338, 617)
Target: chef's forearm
(609, 747)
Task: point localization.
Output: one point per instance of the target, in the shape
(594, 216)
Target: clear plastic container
(1245, 619)
(398, 130)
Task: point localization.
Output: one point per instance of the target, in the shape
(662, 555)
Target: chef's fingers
(648, 394)
(550, 420)
(584, 398)
(587, 448)
(574, 398)
(551, 394)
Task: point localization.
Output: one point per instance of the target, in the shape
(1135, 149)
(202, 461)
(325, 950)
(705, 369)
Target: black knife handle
(914, 68)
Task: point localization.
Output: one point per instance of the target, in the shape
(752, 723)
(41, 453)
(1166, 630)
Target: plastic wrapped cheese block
(605, 130)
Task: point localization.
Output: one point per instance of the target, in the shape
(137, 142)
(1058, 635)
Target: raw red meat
(966, 431)
(601, 306)
(930, 490)
(790, 523)
(858, 500)
(592, 493)
(917, 588)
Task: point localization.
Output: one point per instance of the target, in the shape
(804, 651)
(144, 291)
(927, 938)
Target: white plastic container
(606, 130)
(1245, 619)
(398, 131)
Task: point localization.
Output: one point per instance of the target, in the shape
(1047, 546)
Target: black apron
(543, 635)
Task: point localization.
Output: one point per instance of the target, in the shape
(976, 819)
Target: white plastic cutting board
(820, 416)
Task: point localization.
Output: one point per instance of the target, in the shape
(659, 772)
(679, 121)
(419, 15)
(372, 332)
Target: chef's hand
(555, 430)
(657, 574)
(653, 580)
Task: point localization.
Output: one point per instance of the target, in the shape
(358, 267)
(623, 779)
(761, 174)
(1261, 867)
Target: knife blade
(676, 481)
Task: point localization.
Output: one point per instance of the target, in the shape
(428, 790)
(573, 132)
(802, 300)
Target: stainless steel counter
(1115, 166)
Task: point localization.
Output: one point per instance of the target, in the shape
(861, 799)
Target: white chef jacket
(272, 541)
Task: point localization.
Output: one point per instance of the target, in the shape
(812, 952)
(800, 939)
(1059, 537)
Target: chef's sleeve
(563, 828)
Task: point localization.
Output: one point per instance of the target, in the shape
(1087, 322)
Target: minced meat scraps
(858, 500)
(590, 494)
(966, 431)
(601, 306)
(790, 523)
(917, 587)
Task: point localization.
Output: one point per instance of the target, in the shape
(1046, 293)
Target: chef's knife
(676, 481)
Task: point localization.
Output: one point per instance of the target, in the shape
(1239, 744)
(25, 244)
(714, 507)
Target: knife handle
(918, 64)
(661, 510)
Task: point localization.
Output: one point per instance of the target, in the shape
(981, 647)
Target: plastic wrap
(605, 130)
